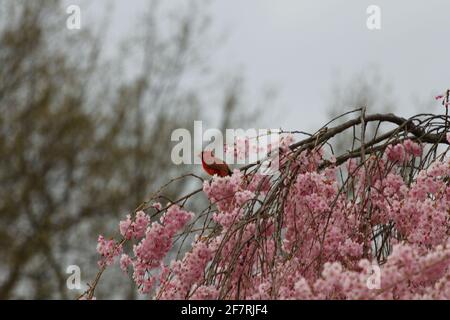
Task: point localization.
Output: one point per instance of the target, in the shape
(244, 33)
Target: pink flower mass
(331, 232)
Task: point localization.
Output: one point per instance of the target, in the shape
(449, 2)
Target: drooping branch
(403, 124)
(271, 213)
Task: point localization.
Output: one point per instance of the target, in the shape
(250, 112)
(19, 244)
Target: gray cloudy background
(303, 48)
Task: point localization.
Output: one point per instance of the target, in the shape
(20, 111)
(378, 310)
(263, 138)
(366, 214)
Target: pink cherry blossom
(125, 262)
(412, 148)
(136, 228)
(395, 153)
(369, 228)
(108, 249)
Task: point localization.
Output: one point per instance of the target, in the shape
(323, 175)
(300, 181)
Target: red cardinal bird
(213, 165)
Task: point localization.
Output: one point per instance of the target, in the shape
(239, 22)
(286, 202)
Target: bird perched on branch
(213, 165)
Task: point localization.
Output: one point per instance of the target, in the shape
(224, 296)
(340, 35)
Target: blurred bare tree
(82, 139)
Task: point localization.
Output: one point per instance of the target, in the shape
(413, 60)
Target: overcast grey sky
(300, 46)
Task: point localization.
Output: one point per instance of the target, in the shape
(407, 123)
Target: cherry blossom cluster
(136, 228)
(409, 273)
(403, 151)
(155, 242)
(444, 98)
(186, 273)
(108, 250)
(374, 227)
(153, 248)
